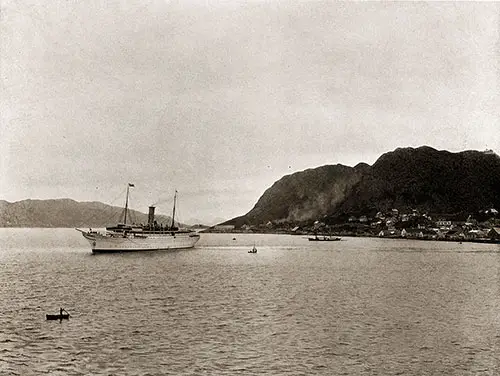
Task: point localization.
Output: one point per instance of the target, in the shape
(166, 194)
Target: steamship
(126, 237)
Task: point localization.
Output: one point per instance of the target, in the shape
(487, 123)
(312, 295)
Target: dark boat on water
(64, 316)
(324, 239)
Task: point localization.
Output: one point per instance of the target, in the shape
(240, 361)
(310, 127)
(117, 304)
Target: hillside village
(419, 193)
(482, 227)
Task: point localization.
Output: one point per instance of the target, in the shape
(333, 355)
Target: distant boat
(324, 239)
(60, 316)
(125, 237)
(64, 316)
(253, 250)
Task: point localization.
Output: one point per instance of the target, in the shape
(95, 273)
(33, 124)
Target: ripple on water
(370, 307)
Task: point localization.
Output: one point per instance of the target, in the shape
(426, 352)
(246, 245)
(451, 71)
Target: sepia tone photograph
(249, 188)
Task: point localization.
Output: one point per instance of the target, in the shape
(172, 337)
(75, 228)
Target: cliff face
(65, 213)
(433, 181)
(304, 195)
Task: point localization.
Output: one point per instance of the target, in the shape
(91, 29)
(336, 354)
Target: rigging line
(132, 213)
(93, 213)
(113, 210)
(178, 211)
(115, 213)
(109, 212)
(118, 197)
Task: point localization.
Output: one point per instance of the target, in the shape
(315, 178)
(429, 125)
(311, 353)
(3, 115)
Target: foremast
(126, 203)
(173, 210)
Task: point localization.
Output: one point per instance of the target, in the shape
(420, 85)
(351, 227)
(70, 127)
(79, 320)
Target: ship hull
(132, 243)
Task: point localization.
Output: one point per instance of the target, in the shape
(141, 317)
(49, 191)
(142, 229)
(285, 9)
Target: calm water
(355, 307)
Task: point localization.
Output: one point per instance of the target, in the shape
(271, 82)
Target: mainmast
(126, 204)
(173, 211)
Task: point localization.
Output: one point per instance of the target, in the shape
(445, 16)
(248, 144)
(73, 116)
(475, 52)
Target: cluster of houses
(422, 226)
(391, 224)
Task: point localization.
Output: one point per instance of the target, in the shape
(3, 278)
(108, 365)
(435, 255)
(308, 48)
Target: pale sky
(221, 99)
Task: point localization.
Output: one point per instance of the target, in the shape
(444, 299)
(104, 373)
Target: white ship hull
(151, 237)
(102, 243)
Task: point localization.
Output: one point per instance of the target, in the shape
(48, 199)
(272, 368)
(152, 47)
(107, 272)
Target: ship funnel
(151, 216)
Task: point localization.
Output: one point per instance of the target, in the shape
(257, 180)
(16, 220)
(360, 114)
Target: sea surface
(360, 306)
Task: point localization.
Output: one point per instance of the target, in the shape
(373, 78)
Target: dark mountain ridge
(66, 213)
(429, 180)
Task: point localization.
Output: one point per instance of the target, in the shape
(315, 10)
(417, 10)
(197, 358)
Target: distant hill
(423, 178)
(195, 222)
(66, 213)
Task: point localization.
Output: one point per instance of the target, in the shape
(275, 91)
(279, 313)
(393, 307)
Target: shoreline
(353, 235)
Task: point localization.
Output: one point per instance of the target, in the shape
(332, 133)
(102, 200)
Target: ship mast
(173, 211)
(126, 204)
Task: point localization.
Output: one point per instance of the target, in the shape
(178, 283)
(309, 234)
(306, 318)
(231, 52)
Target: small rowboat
(64, 316)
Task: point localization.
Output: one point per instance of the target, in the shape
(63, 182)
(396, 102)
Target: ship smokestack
(151, 216)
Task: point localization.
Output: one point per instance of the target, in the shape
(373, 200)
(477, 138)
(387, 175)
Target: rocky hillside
(304, 195)
(432, 181)
(65, 213)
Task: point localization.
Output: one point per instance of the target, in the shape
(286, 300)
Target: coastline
(359, 235)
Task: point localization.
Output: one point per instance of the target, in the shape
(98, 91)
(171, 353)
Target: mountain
(429, 180)
(304, 195)
(66, 213)
(438, 182)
